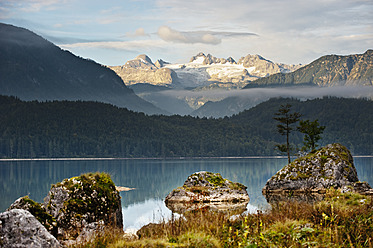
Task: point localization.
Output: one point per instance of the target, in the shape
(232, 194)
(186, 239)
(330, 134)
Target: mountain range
(201, 71)
(218, 87)
(330, 75)
(32, 68)
(329, 70)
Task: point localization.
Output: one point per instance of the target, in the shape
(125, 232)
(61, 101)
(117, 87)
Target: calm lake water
(152, 178)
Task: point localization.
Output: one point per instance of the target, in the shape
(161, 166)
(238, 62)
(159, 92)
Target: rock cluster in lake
(330, 167)
(207, 189)
(73, 211)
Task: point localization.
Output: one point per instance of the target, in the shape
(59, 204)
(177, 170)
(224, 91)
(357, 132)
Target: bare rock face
(19, 228)
(81, 205)
(331, 166)
(264, 67)
(143, 70)
(210, 189)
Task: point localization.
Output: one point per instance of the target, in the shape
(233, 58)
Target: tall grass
(340, 220)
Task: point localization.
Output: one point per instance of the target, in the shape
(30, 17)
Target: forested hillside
(91, 129)
(33, 68)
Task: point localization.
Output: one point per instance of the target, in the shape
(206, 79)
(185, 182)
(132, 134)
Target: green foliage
(312, 131)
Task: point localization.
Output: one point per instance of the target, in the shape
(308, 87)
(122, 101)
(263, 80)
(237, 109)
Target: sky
(113, 31)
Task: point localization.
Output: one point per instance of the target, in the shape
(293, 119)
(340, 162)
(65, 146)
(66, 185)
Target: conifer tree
(287, 120)
(312, 131)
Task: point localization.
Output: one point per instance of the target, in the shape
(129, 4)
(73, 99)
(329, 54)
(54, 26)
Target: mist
(296, 91)
(228, 102)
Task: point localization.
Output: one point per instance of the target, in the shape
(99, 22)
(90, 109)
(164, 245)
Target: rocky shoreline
(78, 208)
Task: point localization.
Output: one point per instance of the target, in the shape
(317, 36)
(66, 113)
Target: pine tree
(312, 131)
(287, 119)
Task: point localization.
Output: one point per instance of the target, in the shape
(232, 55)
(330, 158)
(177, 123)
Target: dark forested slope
(33, 68)
(91, 129)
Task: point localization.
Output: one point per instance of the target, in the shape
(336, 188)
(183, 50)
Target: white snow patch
(225, 70)
(198, 60)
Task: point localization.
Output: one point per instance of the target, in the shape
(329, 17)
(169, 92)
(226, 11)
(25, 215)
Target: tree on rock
(312, 131)
(287, 120)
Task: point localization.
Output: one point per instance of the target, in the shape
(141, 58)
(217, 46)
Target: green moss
(215, 179)
(91, 194)
(40, 214)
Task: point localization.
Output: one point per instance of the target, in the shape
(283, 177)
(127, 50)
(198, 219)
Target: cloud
(37, 5)
(140, 32)
(205, 37)
(117, 45)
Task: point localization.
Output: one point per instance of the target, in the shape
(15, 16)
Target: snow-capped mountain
(206, 70)
(182, 88)
(201, 71)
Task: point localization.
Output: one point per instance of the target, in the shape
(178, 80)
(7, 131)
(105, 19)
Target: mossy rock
(38, 211)
(207, 188)
(79, 202)
(330, 167)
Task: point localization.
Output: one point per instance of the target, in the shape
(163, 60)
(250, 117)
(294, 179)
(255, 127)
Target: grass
(340, 220)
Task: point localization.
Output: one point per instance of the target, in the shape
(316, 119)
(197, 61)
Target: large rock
(207, 189)
(81, 205)
(38, 211)
(19, 228)
(331, 166)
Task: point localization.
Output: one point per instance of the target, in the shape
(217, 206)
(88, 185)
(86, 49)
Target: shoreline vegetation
(339, 220)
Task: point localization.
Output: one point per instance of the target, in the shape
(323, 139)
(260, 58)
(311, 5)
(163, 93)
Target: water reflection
(153, 179)
(140, 214)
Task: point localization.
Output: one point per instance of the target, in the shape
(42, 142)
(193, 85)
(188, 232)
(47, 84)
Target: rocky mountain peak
(142, 61)
(231, 60)
(160, 63)
(142, 70)
(145, 58)
(252, 60)
(199, 55)
(209, 59)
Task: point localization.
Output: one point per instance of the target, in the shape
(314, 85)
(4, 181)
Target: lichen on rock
(330, 167)
(84, 203)
(19, 228)
(207, 187)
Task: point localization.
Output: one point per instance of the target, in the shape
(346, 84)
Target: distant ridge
(329, 70)
(33, 68)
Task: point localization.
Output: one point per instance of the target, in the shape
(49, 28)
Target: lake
(152, 179)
